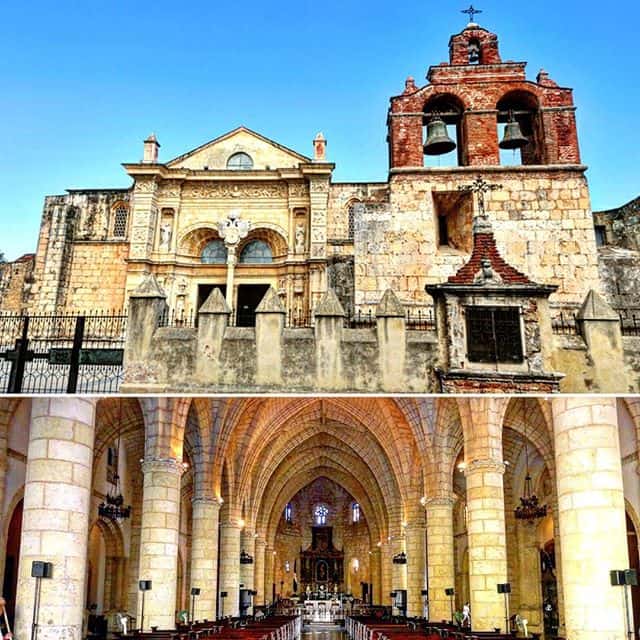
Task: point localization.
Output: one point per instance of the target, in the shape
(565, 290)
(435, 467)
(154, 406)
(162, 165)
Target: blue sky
(84, 83)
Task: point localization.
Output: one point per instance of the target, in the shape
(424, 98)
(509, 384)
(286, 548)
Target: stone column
(528, 576)
(133, 566)
(159, 540)
(270, 321)
(248, 544)
(591, 515)
(398, 571)
(392, 347)
(386, 572)
(440, 556)
(230, 566)
(55, 527)
(376, 577)
(487, 542)
(204, 555)
(231, 267)
(259, 571)
(415, 542)
(269, 573)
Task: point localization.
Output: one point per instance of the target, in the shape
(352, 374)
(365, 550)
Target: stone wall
(16, 279)
(97, 276)
(619, 256)
(329, 357)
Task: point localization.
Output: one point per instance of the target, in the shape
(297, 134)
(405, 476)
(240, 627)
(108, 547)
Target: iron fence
(53, 353)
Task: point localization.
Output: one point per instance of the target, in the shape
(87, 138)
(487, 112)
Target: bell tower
(486, 105)
(480, 117)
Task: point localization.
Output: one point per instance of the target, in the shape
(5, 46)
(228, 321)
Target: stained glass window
(320, 514)
(256, 252)
(214, 253)
(288, 513)
(355, 512)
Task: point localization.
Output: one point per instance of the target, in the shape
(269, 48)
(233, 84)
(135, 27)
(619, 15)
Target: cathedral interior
(263, 504)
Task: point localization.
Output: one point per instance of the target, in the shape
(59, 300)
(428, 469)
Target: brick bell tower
(474, 93)
(480, 117)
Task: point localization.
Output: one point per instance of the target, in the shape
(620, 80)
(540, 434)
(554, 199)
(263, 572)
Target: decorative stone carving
(169, 189)
(233, 229)
(165, 235)
(239, 190)
(485, 465)
(145, 185)
(300, 237)
(298, 190)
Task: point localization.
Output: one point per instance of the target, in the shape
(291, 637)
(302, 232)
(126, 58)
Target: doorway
(249, 297)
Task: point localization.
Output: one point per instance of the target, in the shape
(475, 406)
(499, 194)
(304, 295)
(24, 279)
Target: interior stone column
(55, 527)
(376, 577)
(269, 573)
(487, 542)
(385, 573)
(528, 576)
(133, 566)
(415, 542)
(204, 555)
(159, 540)
(230, 567)
(440, 556)
(591, 515)
(247, 571)
(259, 571)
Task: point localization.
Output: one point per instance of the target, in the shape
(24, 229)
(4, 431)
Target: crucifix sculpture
(480, 186)
(471, 12)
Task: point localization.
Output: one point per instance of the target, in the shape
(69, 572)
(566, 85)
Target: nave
(318, 507)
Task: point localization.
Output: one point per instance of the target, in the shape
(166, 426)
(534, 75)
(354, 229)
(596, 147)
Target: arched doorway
(634, 563)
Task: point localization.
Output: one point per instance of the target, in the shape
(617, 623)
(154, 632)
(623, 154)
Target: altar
(327, 610)
(322, 566)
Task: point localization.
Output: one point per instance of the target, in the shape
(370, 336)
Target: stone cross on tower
(232, 230)
(480, 186)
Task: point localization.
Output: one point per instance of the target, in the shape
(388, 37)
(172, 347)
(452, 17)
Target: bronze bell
(513, 136)
(438, 140)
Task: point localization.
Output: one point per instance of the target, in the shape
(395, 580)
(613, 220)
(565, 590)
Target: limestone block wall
(97, 276)
(171, 362)
(16, 279)
(542, 220)
(80, 215)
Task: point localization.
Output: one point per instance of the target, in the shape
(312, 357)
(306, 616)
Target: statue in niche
(300, 237)
(165, 235)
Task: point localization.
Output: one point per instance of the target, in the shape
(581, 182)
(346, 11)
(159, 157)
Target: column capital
(168, 465)
(488, 464)
(206, 500)
(439, 501)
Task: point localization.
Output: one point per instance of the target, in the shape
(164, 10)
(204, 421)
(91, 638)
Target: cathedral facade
(305, 233)
(482, 240)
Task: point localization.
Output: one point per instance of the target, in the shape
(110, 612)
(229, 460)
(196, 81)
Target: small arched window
(320, 514)
(288, 513)
(240, 162)
(214, 253)
(256, 252)
(120, 220)
(355, 512)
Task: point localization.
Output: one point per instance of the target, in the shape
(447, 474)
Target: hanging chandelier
(530, 508)
(112, 507)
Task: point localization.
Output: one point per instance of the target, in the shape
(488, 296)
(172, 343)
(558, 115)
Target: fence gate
(61, 353)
